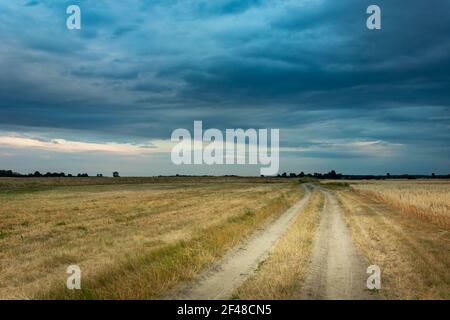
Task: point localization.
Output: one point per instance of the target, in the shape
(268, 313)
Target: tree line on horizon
(338, 176)
(329, 175)
(10, 173)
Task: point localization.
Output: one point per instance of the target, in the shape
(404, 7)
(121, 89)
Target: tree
(7, 173)
(115, 174)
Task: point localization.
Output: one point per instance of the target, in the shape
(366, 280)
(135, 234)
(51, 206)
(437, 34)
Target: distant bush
(336, 184)
(307, 179)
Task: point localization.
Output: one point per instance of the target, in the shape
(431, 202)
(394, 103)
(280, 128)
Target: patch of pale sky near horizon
(87, 157)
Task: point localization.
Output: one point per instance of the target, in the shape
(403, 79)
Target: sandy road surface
(337, 271)
(225, 276)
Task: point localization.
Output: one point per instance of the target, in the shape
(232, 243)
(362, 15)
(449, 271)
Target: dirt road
(336, 271)
(224, 277)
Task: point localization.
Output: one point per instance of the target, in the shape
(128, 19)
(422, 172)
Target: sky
(107, 97)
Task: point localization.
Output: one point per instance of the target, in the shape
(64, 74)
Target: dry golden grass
(8, 185)
(428, 200)
(281, 275)
(413, 254)
(130, 240)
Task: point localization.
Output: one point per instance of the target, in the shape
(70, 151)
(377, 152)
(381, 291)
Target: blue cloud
(139, 69)
(32, 3)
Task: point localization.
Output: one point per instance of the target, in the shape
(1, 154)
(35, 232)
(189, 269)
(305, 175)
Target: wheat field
(399, 226)
(137, 238)
(106, 227)
(427, 200)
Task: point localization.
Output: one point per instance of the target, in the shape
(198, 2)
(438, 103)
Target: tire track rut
(337, 271)
(219, 281)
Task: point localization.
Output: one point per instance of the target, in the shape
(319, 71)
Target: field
(147, 238)
(423, 199)
(104, 228)
(403, 227)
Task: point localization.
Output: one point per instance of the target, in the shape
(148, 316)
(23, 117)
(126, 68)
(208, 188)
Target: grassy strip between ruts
(149, 275)
(280, 276)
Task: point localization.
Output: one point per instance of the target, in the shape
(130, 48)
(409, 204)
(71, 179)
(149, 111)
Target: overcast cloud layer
(344, 97)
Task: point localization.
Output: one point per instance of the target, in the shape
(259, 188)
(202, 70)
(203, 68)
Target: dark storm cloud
(140, 69)
(32, 3)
